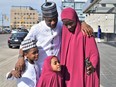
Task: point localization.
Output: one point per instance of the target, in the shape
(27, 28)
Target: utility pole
(2, 21)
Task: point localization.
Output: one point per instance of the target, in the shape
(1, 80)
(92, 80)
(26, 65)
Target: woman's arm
(93, 54)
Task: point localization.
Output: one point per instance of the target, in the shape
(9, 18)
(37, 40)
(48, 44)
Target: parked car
(19, 30)
(6, 31)
(16, 38)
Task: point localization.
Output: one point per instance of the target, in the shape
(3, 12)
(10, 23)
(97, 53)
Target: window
(79, 5)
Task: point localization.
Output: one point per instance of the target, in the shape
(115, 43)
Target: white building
(78, 6)
(103, 13)
(23, 16)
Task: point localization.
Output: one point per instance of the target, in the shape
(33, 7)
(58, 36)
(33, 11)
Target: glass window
(79, 5)
(68, 5)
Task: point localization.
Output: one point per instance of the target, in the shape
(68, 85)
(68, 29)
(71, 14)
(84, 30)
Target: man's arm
(86, 29)
(20, 64)
(93, 55)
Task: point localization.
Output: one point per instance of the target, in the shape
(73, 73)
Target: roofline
(91, 4)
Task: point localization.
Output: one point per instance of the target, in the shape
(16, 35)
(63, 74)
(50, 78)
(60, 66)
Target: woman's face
(55, 64)
(71, 25)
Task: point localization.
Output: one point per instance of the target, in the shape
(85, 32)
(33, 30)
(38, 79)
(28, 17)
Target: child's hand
(16, 73)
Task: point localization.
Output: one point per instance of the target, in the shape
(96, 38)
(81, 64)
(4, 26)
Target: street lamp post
(2, 22)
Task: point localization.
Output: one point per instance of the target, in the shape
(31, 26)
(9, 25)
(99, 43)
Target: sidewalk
(6, 66)
(107, 65)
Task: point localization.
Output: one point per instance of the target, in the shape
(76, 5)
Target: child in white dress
(30, 76)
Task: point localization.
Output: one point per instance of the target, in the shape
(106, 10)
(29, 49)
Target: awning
(100, 6)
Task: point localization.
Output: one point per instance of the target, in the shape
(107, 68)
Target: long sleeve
(93, 51)
(10, 78)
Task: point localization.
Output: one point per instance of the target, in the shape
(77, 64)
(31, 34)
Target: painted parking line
(101, 85)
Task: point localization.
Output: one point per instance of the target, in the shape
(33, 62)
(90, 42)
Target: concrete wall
(107, 23)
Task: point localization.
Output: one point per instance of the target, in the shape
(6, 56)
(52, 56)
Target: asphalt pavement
(107, 64)
(107, 67)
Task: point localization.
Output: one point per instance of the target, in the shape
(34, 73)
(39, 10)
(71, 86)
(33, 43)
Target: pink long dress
(74, 49)
(48, 77)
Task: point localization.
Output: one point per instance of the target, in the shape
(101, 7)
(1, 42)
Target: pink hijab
(48, 77)
(74, 49)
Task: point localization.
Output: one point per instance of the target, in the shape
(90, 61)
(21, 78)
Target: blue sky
(5, 6)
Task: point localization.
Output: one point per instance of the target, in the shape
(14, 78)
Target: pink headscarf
(47, 65)
(49, 78)
(69, 13)
(66, 14)
(74, 49)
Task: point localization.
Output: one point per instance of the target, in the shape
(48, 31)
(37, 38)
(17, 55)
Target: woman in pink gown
(75, 50)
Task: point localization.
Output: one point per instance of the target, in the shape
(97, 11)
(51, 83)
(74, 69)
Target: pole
(2, 22)
(45, 1)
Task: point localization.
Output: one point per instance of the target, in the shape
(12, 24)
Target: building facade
(23, 16)
(69, 0)
(78, 6)
(103, 13)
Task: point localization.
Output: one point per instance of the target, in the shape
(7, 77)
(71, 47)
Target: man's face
(51, 22)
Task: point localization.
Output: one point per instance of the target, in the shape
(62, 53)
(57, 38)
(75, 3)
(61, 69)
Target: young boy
(30, 76)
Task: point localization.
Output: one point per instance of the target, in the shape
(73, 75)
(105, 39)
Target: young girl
(50, 76)
(30, 76)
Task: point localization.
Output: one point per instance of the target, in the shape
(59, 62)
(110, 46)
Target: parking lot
(8, 58)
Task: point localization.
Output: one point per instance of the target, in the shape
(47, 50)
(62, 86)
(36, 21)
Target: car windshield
(21, 34)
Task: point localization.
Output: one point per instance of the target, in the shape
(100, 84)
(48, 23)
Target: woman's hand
(90, 69)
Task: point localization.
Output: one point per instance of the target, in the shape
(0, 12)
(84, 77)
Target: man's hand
(20, 65)
(16, 74)
(86, 29)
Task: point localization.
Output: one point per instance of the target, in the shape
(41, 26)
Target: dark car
(16, 38)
